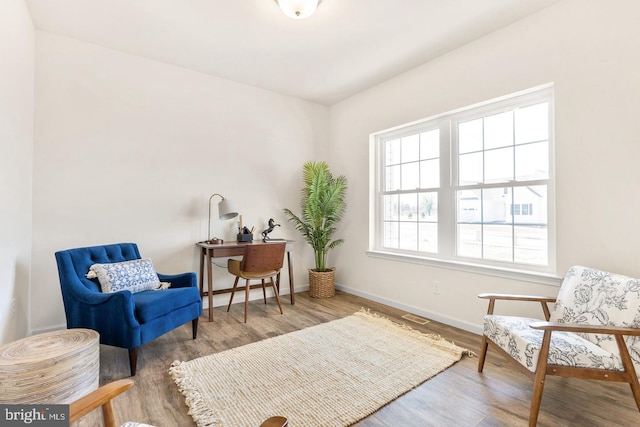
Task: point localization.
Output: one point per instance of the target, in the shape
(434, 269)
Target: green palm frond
(323, 204)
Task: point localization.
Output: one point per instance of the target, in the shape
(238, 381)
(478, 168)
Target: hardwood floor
(459, 396)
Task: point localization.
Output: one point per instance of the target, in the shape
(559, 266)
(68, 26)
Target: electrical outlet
(436, 287)
(13, 308)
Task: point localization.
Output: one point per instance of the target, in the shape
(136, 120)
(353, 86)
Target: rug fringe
(198, 409)
(404, 326)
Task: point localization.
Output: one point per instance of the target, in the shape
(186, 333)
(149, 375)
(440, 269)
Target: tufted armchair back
(73, 264)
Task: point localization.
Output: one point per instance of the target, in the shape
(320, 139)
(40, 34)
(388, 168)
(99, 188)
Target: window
(471, 186)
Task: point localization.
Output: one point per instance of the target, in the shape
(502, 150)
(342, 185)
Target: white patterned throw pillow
(136, 276)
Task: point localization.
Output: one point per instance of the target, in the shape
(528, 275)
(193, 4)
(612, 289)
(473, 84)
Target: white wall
(591, 51)
(16, 150)
(130, 149)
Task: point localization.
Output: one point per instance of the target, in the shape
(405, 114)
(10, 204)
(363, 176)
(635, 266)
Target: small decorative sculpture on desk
(265, 233)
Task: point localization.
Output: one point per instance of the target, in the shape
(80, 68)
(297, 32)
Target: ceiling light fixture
(298, 9)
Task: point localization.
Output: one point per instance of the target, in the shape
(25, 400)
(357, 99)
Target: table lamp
(226, 210)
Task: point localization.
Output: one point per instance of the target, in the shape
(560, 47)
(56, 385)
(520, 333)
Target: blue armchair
(124, 319)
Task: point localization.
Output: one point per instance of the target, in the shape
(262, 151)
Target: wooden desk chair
(260, 261)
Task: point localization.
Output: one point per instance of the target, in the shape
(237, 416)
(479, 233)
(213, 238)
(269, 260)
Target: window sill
(521, 275)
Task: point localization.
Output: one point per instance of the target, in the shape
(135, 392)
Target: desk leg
(209, 284)
(201, 278)
(291, 293)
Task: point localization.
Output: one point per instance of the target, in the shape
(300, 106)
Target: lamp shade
(298, 9)
(226, 210)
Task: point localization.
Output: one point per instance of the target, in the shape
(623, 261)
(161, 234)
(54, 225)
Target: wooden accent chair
(260, 261)
(593, 333)
(102, 397)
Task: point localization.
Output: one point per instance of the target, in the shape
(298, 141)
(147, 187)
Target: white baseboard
(48, 329)
(438, 317)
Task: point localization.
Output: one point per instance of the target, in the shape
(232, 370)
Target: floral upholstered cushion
(523, 343)
(593, 297)
(136, 276)
(132, 424)
(587, 297)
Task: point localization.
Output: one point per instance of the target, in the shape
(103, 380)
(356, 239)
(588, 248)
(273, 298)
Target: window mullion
(446, 195)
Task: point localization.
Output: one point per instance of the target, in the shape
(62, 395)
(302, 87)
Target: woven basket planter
(322, 284)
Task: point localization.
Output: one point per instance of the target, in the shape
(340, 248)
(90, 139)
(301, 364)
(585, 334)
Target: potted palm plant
(323, 204)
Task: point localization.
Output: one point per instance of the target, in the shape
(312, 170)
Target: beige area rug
(328, 375)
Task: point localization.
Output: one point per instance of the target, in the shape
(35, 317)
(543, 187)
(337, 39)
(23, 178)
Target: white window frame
(447, 238)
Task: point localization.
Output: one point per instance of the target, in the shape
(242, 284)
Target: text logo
(34, 415)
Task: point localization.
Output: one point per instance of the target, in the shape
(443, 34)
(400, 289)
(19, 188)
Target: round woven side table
(54, 367)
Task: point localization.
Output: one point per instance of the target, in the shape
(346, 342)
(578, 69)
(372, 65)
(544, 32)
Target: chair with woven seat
(102, 397)
(118, 304)
(593, 332)
(260, 261)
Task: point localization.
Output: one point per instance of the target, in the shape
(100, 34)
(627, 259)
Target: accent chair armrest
(182, 280)
(586, 329)
(95, 310)
(514, 297)
(101, 397)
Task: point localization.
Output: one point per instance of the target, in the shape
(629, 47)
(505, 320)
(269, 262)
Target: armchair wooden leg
(483, 353)
(629, 368)
(109, 414)
(538, 381)
(635, 390)
(536, 398)
(194, 327)
(133, 360)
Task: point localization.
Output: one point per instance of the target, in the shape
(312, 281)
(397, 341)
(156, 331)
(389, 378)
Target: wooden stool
(54, 367)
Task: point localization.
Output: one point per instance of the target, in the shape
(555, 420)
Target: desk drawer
(225, 252)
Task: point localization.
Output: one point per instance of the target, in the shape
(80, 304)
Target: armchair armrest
(618, 332)
(514, 297)
(587, 329)
(85, 308)
(182, 280)
(100, 397)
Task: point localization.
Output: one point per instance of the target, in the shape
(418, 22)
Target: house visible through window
(473, 185)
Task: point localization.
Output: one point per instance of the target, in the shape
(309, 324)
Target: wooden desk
(228, 249)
